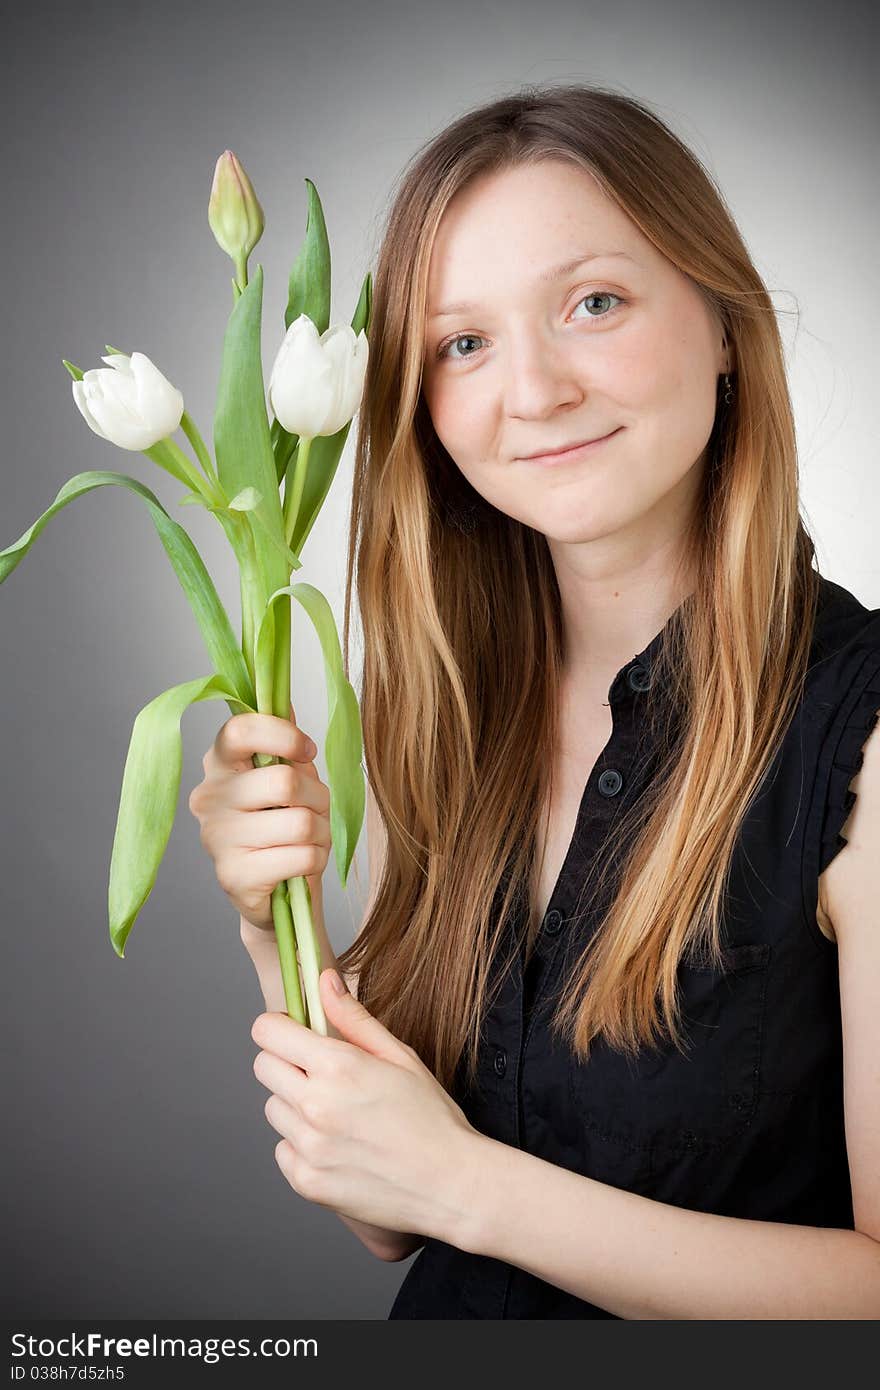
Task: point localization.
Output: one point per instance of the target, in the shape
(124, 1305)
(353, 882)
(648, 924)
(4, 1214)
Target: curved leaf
(221, 643)
(308, 287)
(344, 745)
(148, 800)
(264, 649)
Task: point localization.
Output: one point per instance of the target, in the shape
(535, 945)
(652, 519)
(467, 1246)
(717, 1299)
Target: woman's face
(623, 342)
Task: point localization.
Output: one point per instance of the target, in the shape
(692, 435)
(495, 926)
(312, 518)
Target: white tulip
(316, 382)
(129, 402)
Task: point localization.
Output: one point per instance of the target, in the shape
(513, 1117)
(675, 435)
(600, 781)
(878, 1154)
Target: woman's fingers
(294, 826)
(284, 1078)
(243, 735)
(261, 869)
(285, 1119)
(280, 784)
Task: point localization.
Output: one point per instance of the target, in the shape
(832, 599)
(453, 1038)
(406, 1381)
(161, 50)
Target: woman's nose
(539, 380)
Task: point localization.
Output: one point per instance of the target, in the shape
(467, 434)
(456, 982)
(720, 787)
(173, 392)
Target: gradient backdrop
(139, 1173)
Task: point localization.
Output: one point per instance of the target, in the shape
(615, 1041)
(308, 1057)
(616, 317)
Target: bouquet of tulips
(265, 485)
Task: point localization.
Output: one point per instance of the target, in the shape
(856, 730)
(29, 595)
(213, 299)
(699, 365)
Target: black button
(639, 678)
(552, 922)
(610, 782)
(500, 1063)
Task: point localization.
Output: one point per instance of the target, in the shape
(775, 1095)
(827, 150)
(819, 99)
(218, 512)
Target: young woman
(619, 969)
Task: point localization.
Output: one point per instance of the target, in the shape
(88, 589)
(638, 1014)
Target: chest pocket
(665, 1103)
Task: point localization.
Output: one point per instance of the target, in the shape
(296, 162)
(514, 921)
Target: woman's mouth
(571, 455)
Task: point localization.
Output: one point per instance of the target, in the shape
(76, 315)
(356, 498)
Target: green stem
(190, 429)
(291, 903)
(212, 492)
(284, 935)
(293, 495)
(309, 955)
(297, 888)
(282, 919)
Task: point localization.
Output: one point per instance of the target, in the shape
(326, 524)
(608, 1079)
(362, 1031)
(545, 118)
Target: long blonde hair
(453, 616)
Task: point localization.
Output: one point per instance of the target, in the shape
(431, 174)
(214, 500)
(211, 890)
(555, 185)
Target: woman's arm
(262, 948)
(643, 1259)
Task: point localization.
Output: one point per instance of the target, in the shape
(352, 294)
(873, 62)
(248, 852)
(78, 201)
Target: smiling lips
(574, 451)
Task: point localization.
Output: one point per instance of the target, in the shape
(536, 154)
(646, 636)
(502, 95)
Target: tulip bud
(317, 382)
(234, 213)
(129, 402)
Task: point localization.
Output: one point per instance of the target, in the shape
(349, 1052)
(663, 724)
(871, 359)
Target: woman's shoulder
(845, 648)
(841, 701)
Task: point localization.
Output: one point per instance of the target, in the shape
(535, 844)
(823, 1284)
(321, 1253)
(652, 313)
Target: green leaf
(196, 582)
(246, 501)
(291, 559)
(242, 445)
(264, 650)
(248, 505)
(344, 745)
(364, 309)
(148, 800)
(308, 287)
(323, 461)
(250, 502)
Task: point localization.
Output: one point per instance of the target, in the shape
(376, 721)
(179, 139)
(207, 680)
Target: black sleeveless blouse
(750, 1123)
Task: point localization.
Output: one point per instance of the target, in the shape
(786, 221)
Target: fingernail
(336, 983)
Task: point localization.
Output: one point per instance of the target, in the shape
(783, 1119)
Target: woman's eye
(444, 349)
(600, 294)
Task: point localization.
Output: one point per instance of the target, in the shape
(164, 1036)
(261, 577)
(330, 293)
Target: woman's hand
(366, 1127)
(262, 825)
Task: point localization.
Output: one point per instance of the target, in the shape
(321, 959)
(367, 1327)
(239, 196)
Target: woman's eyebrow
(553, 272)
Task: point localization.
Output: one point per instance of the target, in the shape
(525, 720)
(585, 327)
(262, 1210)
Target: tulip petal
(156, 399)
(80, 395)
(119, 361)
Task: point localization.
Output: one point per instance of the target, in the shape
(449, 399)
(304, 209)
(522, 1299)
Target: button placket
(550, 965)
(609, 783)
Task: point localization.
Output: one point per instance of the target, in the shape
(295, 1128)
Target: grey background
(139, 1177)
